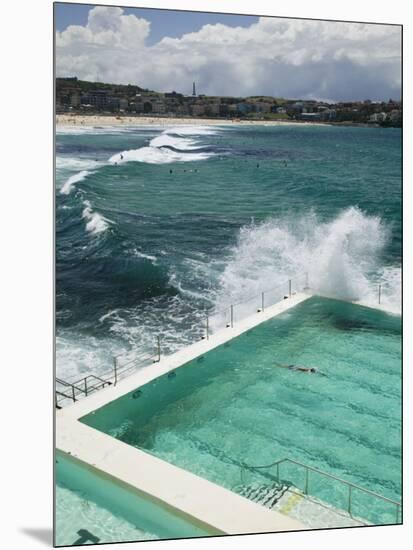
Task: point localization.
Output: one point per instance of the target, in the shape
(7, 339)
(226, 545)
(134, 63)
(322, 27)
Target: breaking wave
(172, 145)
(95, 222)
(342, 258)
(69, 184)
(166, 140)
(194, 130)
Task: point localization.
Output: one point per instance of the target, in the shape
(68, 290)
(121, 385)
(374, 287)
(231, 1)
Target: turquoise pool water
(237, 406)
(91, 509)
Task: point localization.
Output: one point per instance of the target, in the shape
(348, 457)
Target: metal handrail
(307, 468)
(77, 389)
(70, 384)
(63, 394)
(137, 357)
(102, 380)
(81, 387)
(211, 313)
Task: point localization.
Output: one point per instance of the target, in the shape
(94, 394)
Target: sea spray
(341, 256)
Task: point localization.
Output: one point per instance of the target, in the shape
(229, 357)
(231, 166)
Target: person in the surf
(121, 156)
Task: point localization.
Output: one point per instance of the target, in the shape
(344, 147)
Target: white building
(378, 117)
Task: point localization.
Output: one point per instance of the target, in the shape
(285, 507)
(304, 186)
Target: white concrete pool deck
(198, 500)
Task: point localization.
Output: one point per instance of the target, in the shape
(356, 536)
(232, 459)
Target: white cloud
(280, 57)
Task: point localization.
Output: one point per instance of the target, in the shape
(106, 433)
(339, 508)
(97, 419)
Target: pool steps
(266, 471)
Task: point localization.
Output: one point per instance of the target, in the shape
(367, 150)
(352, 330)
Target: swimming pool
(236, 407)
(91, 508)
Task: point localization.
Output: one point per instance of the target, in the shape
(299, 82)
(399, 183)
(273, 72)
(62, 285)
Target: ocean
(155, 225)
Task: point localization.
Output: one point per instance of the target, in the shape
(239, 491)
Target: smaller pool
(91, 509)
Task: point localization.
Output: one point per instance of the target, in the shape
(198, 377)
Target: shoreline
(112, 120)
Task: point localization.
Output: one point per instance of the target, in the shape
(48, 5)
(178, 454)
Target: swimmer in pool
(301, 369)
(311, 370)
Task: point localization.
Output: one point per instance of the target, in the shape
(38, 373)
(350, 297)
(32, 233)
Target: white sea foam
(342, 258)
(93, 130)
(194, 130)
(153, 155)
(96, 223)
(159, 150)
(78, 355)
(69, 183)
(72, 164)
(177, 320)
(165, 140)
(176, 281)
(145, 256)
(132, 332)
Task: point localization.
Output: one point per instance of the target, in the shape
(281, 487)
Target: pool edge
(217, 509)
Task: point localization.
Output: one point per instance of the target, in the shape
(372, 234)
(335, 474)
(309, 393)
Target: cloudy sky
(228, 55)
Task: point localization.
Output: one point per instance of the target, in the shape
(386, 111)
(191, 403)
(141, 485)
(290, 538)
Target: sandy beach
(99, 120)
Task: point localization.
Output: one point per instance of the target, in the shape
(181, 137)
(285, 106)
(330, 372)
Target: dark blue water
(199, 216)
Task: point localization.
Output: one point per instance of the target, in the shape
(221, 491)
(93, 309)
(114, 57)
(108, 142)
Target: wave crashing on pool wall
(342, 257)
(146, 248)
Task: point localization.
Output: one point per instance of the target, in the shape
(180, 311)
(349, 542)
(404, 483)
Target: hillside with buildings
(79, 96)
